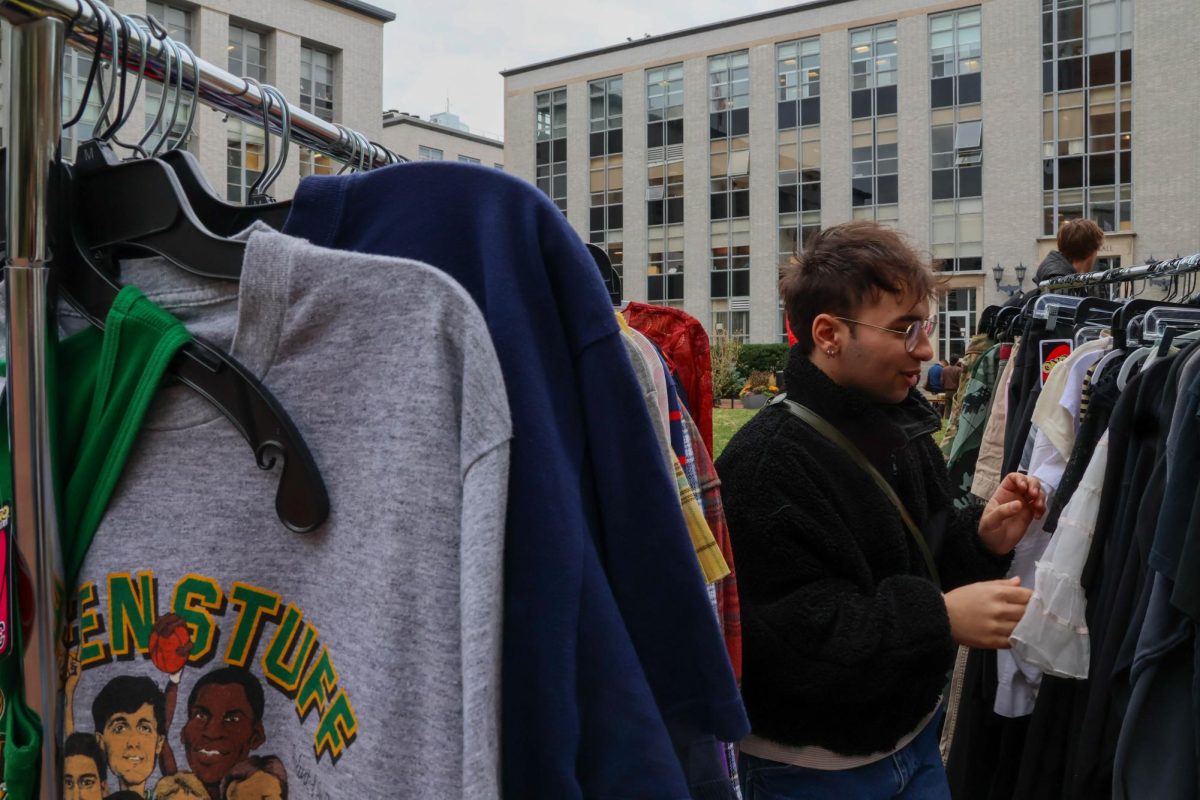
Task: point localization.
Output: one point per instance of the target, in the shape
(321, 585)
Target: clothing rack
(1154, 269)
(217, 88)
(39, 31)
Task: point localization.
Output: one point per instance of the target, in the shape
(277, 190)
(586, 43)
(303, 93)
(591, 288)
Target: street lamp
(1009, 288)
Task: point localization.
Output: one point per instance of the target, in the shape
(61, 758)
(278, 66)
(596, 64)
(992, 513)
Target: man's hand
(984, 614)
(1007, 515)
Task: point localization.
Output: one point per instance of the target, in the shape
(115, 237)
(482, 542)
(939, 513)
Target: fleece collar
(878, 429)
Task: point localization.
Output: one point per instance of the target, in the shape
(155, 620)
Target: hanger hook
(137, 85)
(97, 53)
(191, 118)
(155, 29)
(365, 155)
(285, 145)
(266, 100)
(345, 136)
(135, 21)
(274, 170)
(176, 100)
(120, 48)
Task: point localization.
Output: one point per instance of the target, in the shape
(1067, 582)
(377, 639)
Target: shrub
(727, 379)
(763, 358)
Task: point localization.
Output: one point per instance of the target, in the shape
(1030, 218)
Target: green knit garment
(103, 385)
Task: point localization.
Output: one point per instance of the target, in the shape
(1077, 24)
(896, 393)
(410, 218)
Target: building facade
(422, 140)
(324, 55)
(701, 159)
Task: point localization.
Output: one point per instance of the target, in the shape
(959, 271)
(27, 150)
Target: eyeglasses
(911, 334)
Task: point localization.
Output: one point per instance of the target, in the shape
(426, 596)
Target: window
(499, 167)
(247, 53)
(956, 322)
(664, 185)
(468, 160)
(317, 98)
(874, 146)
(729, 190)
(243, 141)
(729, 321)
(243, 159)
(550, 147)
(315, 163)
(316, 82)
(428, 153)
(1087, 113)
(178, 22)
(606, 101)
(956, 139)
(798, 164)
(729, 95)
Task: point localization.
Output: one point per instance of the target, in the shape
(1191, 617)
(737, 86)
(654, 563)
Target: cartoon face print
(81, 779)
(221, 730)
(131, 744)
(259, 786)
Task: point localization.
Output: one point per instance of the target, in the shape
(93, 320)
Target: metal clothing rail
(217, 88)
(34, 122)
(1156, 269)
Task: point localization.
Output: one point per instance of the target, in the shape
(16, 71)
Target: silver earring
(829, 352)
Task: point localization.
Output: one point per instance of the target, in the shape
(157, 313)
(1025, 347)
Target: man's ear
(826, 333)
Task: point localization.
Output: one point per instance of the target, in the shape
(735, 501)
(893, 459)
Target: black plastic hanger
(1123, 315)
(81, 272)
(220, 217)
(141, 203)
(609, 275)
(986, 320)
(1001, 323)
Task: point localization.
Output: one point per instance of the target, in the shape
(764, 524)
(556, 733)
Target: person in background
(933, 378)
(951, 377)
(849, 627)
(1079, 242)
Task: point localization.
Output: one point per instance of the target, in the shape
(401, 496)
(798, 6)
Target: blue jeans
(912, 773)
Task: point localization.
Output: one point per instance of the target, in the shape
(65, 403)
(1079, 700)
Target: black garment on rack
(1049, 737)
(986, 751)
(1114, 577)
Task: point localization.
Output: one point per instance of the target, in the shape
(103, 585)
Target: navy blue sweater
(608, 634)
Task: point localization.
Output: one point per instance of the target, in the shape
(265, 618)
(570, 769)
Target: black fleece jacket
(846, 638)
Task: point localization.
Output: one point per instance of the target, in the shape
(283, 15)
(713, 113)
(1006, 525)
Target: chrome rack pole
(1174, 266)
(217, 88)
(34, 120)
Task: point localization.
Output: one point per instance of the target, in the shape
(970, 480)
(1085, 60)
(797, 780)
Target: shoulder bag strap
(823, 427)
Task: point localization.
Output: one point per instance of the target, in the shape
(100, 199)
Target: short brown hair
(1079, 238)
(844, 266)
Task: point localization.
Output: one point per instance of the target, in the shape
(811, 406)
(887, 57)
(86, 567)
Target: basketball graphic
(170, 643)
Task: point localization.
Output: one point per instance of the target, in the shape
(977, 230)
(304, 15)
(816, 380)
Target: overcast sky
(456, 48)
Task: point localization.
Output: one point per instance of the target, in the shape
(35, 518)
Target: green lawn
(726, 422)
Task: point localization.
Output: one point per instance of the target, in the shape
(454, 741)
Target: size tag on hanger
(1054, 352)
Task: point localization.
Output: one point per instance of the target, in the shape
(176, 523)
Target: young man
(848, 639)
(1079, 242)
